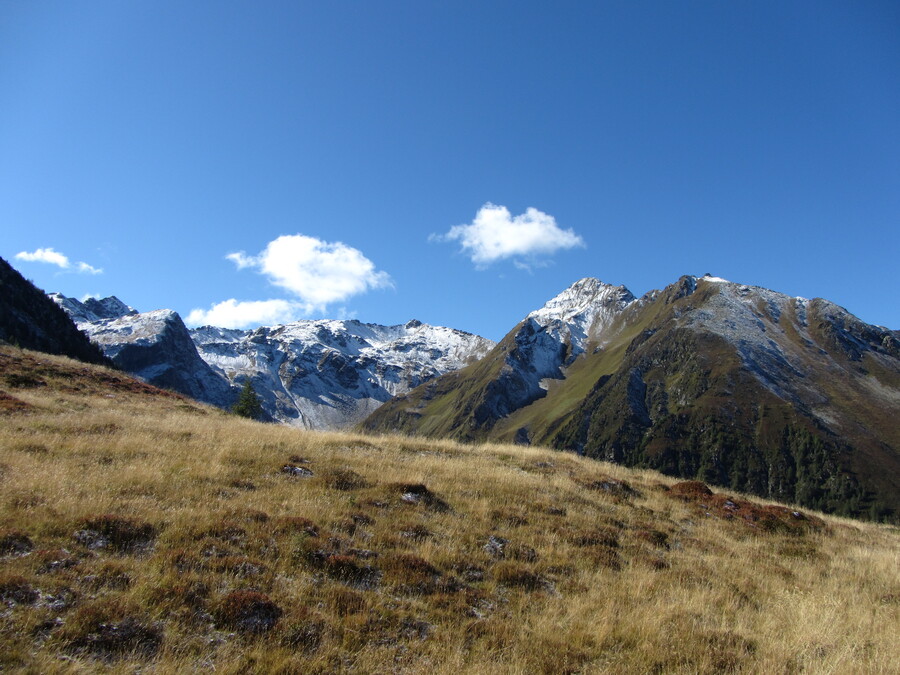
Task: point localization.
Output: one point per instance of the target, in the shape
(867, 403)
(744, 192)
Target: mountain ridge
(734, 384)
(319, 374)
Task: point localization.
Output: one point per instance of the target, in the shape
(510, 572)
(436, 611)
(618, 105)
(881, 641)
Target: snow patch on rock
(334, 373)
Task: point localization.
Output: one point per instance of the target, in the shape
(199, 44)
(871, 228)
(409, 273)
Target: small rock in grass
(417, 493)
(496, 546)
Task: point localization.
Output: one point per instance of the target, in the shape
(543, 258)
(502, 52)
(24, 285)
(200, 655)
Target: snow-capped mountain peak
(581, 312)
(92, 309)
(586, 297)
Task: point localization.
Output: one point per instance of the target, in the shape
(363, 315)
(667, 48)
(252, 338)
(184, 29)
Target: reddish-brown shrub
(123, 535)
(15, 590)
(54, 560)
(15, 543)
(346, 602)
(296, 525)
(519, 576)
(247, 611)
(690, 489)
(111, 628)
(598, 536)
(653, 537)
(347, 569)
(343, 479)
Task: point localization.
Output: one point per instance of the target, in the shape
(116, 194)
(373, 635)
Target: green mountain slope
(731, 384)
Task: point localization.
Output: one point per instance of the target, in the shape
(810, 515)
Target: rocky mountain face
(92, 309)
(329, 374)
(30, 320)
(157, 347)
(736, 385)
(311, 374)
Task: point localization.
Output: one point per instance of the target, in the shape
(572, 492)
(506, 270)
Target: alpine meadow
(142, 531)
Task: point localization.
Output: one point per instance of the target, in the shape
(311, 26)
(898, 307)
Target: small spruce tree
(248, 404)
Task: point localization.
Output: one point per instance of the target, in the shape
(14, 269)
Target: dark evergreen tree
(248, 404)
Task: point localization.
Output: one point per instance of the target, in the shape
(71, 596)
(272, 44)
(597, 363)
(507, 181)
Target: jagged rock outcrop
(330, 374)
(157, 347)
(92, 309)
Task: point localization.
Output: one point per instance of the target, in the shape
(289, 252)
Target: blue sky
(455, 162)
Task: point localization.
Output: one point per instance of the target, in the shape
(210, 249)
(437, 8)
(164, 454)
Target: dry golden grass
(141, 531)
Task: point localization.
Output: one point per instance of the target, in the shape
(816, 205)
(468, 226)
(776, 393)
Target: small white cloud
(318, 273)
(496, 235)
(51, 257)
(45, 255)
(241, 259)
(243, 314)
(84, 268)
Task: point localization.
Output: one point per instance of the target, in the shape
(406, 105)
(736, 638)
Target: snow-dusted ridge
(92, 309)
(316, 374)
(581, 312)
(332, 373)
(550, 338)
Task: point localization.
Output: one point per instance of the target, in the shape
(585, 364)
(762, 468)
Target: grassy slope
(359, 567)
(444, 407)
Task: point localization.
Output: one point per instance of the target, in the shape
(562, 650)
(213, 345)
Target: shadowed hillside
(29, 319)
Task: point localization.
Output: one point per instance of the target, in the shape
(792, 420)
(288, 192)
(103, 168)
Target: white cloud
(318, 273)
(243, 314)
(495, 235)
(51, 257)
(45, 255)
(241, 259)
(84, 268)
